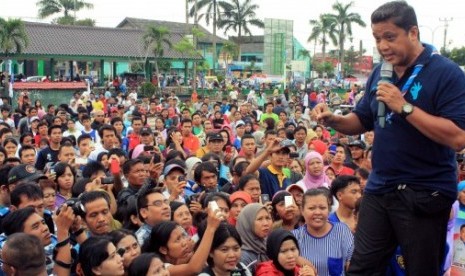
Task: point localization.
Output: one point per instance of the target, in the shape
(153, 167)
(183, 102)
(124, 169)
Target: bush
(147, 89)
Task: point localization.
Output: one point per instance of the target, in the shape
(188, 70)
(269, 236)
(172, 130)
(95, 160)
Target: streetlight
(432, 31)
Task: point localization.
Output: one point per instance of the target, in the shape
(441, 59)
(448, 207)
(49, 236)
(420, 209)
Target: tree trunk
(194, 40)
(214, 37)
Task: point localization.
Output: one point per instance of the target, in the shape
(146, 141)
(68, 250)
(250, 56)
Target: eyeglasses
(158, 203)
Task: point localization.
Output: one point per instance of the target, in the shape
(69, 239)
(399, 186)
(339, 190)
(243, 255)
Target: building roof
(250, 44)
(174, 27)
(54, 40)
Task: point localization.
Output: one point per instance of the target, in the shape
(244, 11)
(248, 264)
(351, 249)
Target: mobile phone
(81, 160)
(214, 205)
(194, 197)
(265, 198)
(114, 166)
(294, 155)
(107, 180)
(52, 170)
(288, 201)
(228, 150)
(181, 178)
(148, 148)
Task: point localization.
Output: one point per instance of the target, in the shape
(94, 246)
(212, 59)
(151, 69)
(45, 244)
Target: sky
(431, 16)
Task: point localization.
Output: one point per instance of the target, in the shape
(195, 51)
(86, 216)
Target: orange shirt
(191, 143)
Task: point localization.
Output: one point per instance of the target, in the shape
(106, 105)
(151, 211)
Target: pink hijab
(311, 181)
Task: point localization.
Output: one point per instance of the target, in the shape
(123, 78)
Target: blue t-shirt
(330, 253)
(401, 154)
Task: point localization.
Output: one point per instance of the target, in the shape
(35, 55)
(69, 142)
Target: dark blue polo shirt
(401, 154)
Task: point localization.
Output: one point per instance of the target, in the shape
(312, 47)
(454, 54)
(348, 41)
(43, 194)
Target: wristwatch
(407, 109)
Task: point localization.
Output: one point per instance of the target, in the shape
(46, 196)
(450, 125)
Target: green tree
(70, 20)
(13, 40)
(185, 48)
(457, 55)
(344, 18)
(325, 69)
(240, 19)
(323, 28)
(306, 54)
(229, 51)
(155, 39)
(213, 9)
(51, 7)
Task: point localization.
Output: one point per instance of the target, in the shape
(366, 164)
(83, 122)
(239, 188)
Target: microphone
(386, 76)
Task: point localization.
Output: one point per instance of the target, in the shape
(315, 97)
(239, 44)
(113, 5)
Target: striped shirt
(329, 253)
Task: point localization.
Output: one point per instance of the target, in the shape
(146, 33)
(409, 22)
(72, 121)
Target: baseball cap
(171, 167)
(295, 186)
(146, 130)
(357, 143)
(285, 144)
(332, 149)
(215, 136)
(240, 123)
(34, 118)
(24, 172)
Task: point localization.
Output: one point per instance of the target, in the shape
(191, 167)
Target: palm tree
(344, 20)
(229, 50)
(13, 40)
(239, 20)
(306, 54)
(155, 39)
(322, 29)
(51, 7)
(213, 9)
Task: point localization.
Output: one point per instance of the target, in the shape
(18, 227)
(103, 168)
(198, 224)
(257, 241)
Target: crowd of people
(115, 184)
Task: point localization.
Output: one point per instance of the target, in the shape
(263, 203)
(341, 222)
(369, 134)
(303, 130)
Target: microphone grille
(386, 70)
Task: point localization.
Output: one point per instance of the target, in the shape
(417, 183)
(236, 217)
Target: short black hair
(106, 127)
(83, 137)
(142, 201)
(92, 253)
(14, 221)
(51, 128)
(91, 168)
(341, 182)
(24, 148)
(129, 164)
(30, 190)
(399, 12)
(88, 197)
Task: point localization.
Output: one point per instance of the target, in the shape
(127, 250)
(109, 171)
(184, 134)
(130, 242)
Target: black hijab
(275, 240)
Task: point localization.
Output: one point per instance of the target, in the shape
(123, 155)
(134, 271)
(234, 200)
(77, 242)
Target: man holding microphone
(413, 184)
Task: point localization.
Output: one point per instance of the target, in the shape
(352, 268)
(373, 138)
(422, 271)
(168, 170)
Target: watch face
(408, 108)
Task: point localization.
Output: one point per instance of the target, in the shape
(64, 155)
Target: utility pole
(446, 25)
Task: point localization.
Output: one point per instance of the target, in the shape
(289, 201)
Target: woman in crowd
(249, 183)
(314, 172)
(98, 256)
(286, 217)
(283, 253)
(239, 200)
(254, 225)
(126, 241)
(48, 188)
(11, 147)
(174, 142)
(102, 158)
(65, 179)
(327, 245)
(172, 243)
(147, 264)
(297, 167)
(225, 253)
(181, 215)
